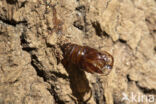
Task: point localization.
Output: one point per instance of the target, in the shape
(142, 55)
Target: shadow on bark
(79, 84)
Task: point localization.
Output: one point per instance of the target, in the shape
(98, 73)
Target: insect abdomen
(73, 53)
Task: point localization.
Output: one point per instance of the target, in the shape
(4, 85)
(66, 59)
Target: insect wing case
(88, 59)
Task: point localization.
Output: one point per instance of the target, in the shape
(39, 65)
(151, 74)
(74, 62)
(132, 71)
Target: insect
(87, 58)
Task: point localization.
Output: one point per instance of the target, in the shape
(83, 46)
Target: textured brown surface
(30, 35)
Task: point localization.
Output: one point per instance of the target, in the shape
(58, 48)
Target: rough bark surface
(31, 32)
